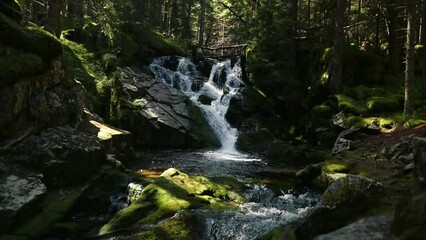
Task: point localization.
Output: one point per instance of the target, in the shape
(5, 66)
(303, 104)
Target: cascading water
(223, 83)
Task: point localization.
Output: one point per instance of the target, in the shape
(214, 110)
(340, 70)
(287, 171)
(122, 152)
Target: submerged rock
(341, 203)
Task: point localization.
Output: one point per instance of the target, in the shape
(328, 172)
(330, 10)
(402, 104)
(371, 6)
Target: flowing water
(265, 209)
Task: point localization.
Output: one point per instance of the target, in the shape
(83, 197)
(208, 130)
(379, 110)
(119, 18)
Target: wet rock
(309, 172)
(64, 155)
(205, 99)
(134, 191)
(19, 196)
(410, 217)
(172, 192)
(158, 115)
(341, 203)
(371, 228)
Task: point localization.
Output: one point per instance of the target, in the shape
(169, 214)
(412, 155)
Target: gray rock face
(159, 115)
(49, 99)
(371, 228)
(342, 202)
(17, 196)
(64, 155)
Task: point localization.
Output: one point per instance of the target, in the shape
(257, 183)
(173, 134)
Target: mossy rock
(322, 111)
(56, 206)
(349, 105)
(258, 140)
(17, 65)
(362, 92)
(384, 104)
(410, 217)
(31, 39)
(182, 227)
(342, 202)
(172, 192)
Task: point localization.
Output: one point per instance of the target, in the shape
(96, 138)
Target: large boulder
(36, 90)
(410, 217)
(64, 155)
(343, 201)
(370, 228)
(20, 196)
(159, 116)
(173, 191)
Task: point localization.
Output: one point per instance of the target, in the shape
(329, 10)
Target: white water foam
(221, 92)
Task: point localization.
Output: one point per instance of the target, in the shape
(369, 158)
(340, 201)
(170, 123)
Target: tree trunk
(337, 72)
(394, 42)
(54, 17)
(201, 23)
(76, 11)
(423, 42)
(409, 61)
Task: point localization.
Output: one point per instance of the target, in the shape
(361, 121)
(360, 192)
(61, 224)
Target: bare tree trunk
(201, 23)
(394, 42)
(337, 68)
(54, 17)
(423, 42)
(409, 61)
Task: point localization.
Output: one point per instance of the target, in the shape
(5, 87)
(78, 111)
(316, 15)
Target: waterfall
(223, 83)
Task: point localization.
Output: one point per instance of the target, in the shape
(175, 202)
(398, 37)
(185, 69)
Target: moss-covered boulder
(32, 39)
(343, 201)
(384, 104)
(172, 192)
(410, 217)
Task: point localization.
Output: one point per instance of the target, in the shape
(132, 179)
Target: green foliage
(349, 105)
(29, 39)
(322, 111)
(384, 104)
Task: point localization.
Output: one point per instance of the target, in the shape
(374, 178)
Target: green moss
(334, 167)
(30, 39)
(55, 208)
(322, 111)
(383, 104)
(363, 92)
(83, 65)
(349, 105)
(172, 192)
(182, 227)
(18, 64)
